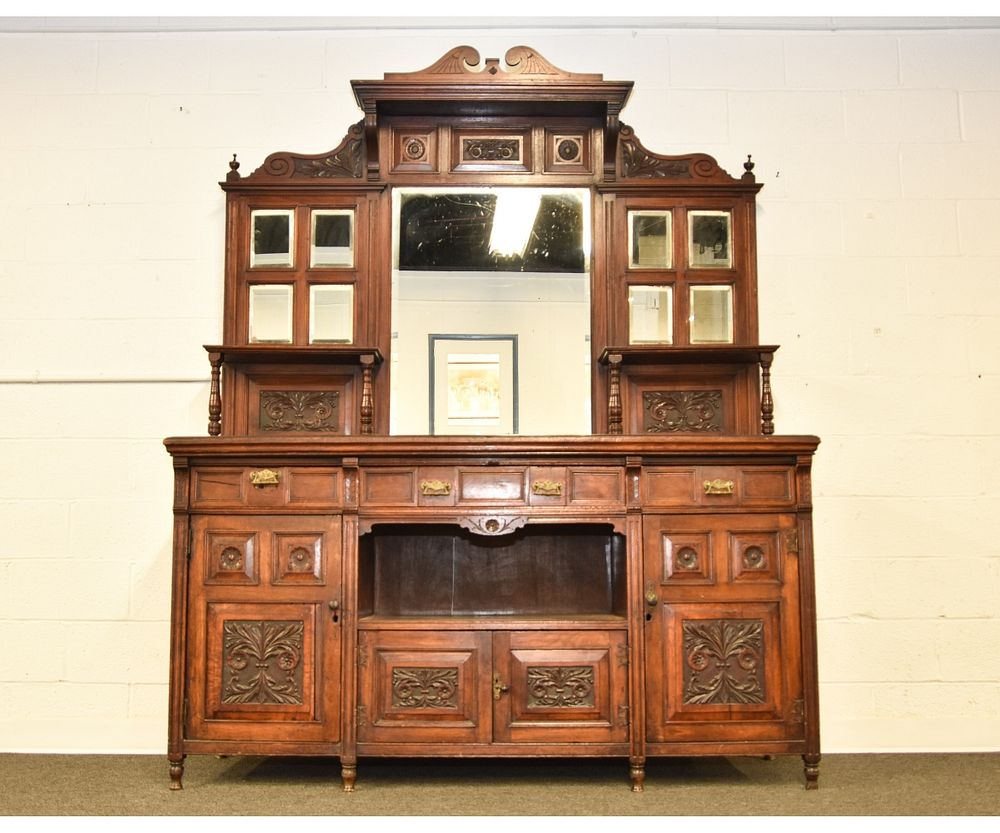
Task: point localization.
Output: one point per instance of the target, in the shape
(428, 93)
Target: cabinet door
(264, 643)
(723, 648)
(560, 687)
(424, 687)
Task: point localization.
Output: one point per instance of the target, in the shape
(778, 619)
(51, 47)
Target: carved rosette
(560, 687)
(425, 688)
(299, 410)
(672, 412)
(262, 662)
(723, 661)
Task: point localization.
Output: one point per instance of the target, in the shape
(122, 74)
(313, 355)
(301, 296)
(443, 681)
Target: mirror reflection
(492, 263)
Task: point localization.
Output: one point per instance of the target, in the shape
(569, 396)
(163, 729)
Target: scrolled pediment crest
(347, 160)
(464, 62)
(638, 162)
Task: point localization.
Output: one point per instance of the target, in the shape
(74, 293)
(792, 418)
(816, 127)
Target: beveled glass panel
(273, 236)
(711, 315)
(332, 241)
(710, 243)
(649, 239)
(650, 315)
(271, 314)
(331, 314)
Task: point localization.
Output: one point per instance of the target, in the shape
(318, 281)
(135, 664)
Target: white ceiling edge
(59, 24)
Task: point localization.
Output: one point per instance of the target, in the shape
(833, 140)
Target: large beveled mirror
(491, 311)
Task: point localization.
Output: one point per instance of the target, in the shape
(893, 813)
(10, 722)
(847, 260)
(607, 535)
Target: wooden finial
(748, 167)
(234, 170)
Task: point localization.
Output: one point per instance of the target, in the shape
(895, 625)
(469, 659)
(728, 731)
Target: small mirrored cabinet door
(271, 314)
(272, 239)
(710, 240)
(711, 316)
(650, 315)
(650, 240)
(332, 238)
(331, 314)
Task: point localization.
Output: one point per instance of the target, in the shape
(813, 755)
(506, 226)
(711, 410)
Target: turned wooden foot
(177, 773)
(811, 762)
(637, 772)
(349, 774)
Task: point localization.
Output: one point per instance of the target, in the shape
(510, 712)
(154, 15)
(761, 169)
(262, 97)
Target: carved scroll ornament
(262, 662)
(723, 661)
(344, 161)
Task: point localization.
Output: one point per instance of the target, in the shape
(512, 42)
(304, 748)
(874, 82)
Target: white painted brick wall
(879, 276)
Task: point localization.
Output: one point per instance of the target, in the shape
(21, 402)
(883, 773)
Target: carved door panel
(560, 686)
(264, 631)
(723, 649)
(424, 687)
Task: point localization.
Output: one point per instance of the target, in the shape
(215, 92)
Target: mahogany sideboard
(346, 586)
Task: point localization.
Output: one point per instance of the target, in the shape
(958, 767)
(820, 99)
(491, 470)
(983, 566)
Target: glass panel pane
(649, 239)
(651, 316)
(711, 314)
(331, 314)
(271, 314)
(273, 233)
(332, 238)
(711, 240)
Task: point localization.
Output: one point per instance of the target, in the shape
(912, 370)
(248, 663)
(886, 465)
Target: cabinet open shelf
(541, 572)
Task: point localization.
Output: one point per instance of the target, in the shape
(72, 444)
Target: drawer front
(267, 487)
(494, 486)
(719, 486)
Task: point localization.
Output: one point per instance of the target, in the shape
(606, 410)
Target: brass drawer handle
(719, 487)
(550, 488)
(264, 477)
(435, 487)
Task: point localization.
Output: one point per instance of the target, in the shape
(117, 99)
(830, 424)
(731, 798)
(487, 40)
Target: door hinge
(623, 654)
(792, 540)
(190, 541)
(623, 716)
(361, 715)
(362, 655)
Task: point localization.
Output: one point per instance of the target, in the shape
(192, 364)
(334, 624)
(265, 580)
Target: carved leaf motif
(682, 411)
(345, 160)
(298, 410)
(561, 687)
(425, 688)
(262, 662)
(724, 661)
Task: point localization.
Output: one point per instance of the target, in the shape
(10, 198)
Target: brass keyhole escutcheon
(498, 687)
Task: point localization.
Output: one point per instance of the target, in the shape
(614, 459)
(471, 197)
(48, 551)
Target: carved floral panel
(262, 662)
(723, 661)
(425, 688)
(682, 411)
(560, 687)
(299, 410)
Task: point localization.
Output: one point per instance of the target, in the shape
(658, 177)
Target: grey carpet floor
(125, 785)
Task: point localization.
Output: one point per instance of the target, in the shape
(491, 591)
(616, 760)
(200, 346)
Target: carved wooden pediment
(520, 63)
(638, 162)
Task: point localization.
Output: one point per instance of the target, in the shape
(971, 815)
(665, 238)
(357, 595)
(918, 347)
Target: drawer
(708, 486)
(494, 486)
(214, 487)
